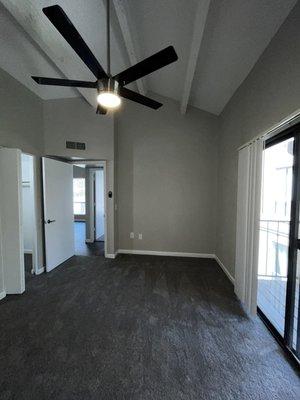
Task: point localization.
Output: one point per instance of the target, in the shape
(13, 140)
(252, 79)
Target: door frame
(91, 208)
(294, 244)
(35, 259)
(60, 160)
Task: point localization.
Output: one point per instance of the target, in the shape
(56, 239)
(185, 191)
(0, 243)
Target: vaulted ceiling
(217, 42)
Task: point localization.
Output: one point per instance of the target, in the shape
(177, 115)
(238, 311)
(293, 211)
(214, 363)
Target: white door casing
(11, 220)
(58, 212)
(99, 203)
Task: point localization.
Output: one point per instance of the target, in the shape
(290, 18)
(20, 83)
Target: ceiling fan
(110, 89)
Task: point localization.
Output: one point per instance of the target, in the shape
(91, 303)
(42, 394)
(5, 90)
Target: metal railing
(273, 247)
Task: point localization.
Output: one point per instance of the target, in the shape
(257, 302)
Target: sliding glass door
(279, 247)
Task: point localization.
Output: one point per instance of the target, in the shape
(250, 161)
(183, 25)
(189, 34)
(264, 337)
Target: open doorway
(88, 208)
(28, 215)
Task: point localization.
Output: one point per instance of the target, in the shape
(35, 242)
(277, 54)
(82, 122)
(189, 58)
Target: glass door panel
(296, 325)
(275, 217)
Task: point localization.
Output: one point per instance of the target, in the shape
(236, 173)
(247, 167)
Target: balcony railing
(273, 247)
(272, 269)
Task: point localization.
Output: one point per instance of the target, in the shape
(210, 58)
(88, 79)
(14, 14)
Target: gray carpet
(137, 327)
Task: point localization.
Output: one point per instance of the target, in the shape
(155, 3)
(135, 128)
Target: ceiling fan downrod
(108, 36)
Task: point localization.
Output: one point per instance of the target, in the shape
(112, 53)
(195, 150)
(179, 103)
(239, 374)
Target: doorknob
(49, 221)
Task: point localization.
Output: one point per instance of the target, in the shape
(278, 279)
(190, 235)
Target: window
(79, 196)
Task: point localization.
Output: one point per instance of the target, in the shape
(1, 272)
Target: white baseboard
(26, 251)
(165, 253)
(2, 294)
(111, 255)
(231, 278)
(177, 254)
(40, 271)
(89, 240)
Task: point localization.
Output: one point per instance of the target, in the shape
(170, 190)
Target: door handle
(49, 221)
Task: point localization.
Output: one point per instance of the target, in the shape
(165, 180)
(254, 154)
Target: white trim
(283, 124)
(2, 294)
(165, 253)
(26, 251)
(36, 217)
(91, 172)
(129, 34)
(198, 30)
(225, 270)
(177, 254)
(111, 255)
(40, 271)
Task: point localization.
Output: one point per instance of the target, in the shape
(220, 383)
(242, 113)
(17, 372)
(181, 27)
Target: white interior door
(99, 204)
(58, 212)
(11, 221)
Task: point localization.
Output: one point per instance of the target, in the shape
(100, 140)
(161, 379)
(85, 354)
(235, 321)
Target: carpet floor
(137, 328)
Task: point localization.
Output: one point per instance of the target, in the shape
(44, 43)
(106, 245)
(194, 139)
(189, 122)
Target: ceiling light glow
(108, 99)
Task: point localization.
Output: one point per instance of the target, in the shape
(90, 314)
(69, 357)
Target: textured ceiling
(235, 35)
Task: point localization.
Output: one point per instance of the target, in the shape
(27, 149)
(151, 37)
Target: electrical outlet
(131, 235)
(140, 236)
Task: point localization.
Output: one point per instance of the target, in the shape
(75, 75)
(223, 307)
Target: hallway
(81, 247)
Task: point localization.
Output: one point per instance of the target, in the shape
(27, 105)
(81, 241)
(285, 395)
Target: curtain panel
(247, 228)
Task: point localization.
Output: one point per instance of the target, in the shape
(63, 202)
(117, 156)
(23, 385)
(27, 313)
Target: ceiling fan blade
(65, 27)
(138, 98)
(145, 67)
(63, 82)
(101, 110)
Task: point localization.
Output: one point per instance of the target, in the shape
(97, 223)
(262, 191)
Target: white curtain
(247, 230)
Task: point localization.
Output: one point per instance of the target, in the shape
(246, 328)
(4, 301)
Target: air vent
(80, 146)
(71, 145)
(75, 145)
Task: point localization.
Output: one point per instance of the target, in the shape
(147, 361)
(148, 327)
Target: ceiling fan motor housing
(108, 85)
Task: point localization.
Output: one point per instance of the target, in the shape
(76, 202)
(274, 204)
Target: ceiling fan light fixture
(109, 99)
(110, 88)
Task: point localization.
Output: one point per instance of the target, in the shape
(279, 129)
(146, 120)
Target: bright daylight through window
(274, 231)
(79, 196)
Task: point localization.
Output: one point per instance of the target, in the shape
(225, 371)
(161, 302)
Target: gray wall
(270, 93)
(21, 126)
(21, 116)
(75, 120)
(176, 174)
(167, 175)
(78, 172)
